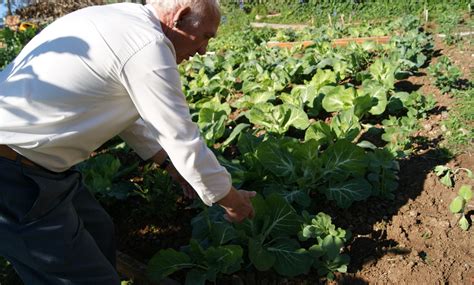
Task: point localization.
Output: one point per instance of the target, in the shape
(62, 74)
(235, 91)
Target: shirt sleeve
(153, 82)
(141, 139)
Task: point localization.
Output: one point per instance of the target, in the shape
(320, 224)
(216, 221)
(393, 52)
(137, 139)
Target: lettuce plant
(447, 75)
(277, 238)
(203, 264)
(330, 243)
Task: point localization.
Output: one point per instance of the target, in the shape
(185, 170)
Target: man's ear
(180, 15)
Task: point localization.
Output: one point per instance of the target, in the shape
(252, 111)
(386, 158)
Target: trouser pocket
(54, 190)
(50, 227)
(18, 193)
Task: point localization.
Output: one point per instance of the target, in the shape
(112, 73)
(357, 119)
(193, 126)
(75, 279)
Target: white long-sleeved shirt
(100, 72)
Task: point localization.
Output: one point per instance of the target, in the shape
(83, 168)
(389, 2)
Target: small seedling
(447, 174)
(460, 204)
(426, 235)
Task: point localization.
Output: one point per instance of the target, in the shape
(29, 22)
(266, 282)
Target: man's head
(189, 24)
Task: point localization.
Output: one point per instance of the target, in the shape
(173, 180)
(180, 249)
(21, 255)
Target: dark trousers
(52, 229)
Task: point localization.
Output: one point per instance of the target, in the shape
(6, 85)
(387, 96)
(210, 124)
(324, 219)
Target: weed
(447, 175)
(427, 235)
(447, 25)
(458, 128)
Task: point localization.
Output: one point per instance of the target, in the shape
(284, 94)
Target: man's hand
(237, 205)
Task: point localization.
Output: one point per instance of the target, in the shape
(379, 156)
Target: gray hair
(198, 8)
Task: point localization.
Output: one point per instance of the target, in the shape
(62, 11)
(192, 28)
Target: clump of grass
(459, 127)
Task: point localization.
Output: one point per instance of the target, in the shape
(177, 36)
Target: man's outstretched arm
(236, 203)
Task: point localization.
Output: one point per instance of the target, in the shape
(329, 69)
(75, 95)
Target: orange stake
(337, 42)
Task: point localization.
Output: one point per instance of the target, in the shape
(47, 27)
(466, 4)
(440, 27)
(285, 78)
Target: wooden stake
(330, 20)
(334, 43)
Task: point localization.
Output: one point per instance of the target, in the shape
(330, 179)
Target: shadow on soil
(407, 86)
(368, 220)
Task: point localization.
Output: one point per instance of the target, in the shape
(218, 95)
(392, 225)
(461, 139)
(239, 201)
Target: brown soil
(415, 239)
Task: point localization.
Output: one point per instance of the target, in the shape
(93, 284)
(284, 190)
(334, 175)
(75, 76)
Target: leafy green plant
(111, 180)
(203, 264)
(459, 205)
(447, 75)
(330, 243)
(384, 72)
(414, 104)
(293, 170)
(278, 119)
(101, 175)
(397, 133)
(383, 173)
(212, 118)
(12, 42)
(457, 128)
(270, 239)
(412, 50)
(448, 23)
(447, 175)
(158, 189)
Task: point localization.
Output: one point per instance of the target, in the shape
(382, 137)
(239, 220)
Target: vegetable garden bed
(391, 233)
(405, 239)
(348, 148)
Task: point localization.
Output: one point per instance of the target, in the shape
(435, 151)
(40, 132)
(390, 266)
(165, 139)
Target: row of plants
(301, 127)
(233, 40)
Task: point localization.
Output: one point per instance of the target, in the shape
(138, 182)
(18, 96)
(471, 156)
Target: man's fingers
(233, 218)
(236, 217)
(238, 205)
(251, 194)
(247, 195)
